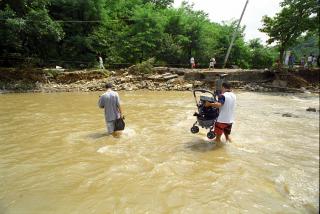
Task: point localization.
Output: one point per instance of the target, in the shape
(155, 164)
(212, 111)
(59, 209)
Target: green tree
(145, 34)
(160, 3)
(295, 18)
(239, 54)
(11, 27)
(27, 30)
(79, 20)
(124, 32)
(306, 45)
(260, 56)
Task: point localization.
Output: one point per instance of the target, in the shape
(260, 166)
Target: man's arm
(216, 104)
(119, 106)
(101, 102)
(120, 110)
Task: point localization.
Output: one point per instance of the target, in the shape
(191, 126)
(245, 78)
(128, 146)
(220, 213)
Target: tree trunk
(281, 52)
(190, 53)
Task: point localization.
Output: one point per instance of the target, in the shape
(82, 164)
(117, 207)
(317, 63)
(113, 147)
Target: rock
(275, 83)
(187, 86)
(311, 109)
(179, 71)
(279, 83)
(155, 77)
(247, 87)
(283, 83)
(171, 81)
(198, 83)
(170, 76)
(125, 86)
(289, 115)
(123, 80)
(160, 69)
(144, 84)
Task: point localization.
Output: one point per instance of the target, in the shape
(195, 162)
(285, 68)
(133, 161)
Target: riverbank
(159, 79)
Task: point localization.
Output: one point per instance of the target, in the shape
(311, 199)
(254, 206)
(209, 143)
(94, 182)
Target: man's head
(109, 85)
(226, 86)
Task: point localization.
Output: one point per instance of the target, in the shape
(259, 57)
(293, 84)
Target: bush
(52, 73)
(145, 67)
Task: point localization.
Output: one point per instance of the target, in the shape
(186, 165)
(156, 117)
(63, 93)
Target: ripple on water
(82, 136)
(113, 150)
(248, 150)
(128, 132)
(95, 136)
(292, 184)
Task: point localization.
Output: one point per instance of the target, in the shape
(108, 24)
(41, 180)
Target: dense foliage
(305, 46)
(295, 18)
(72, 33)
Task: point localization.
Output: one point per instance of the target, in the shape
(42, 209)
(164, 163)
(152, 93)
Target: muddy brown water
(55, 157)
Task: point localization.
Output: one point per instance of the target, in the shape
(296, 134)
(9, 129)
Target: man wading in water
(110, 101)
(226, 104)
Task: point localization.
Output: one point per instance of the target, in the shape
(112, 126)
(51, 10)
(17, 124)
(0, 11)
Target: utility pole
(234, 35)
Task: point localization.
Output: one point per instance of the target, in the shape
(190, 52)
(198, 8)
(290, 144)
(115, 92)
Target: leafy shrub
(145, 67)
(52, 73)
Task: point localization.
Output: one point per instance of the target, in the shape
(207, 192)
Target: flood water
(56, 158)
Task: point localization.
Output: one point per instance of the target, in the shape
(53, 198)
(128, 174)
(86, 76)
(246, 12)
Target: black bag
(119, 124)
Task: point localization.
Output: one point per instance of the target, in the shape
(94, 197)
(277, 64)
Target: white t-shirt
(212, 61)
(310, 58)
(192, 60)
(100, 60)
(226, 114)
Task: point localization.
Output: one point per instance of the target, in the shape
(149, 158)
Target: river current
(56, 158)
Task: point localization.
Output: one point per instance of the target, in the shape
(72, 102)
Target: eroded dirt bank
(160, 78)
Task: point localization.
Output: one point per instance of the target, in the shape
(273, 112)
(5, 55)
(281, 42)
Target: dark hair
(109, 85)
(226, 85)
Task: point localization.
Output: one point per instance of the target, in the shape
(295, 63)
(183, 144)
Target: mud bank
(161, 79)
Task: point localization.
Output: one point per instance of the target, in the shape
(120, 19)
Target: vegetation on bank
(297, 22)
(71, 33)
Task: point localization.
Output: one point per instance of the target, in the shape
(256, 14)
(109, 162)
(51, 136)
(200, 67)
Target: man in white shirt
(309, 61)
(101, 66)
(212, 63)
(226, 104)
(192, 62)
